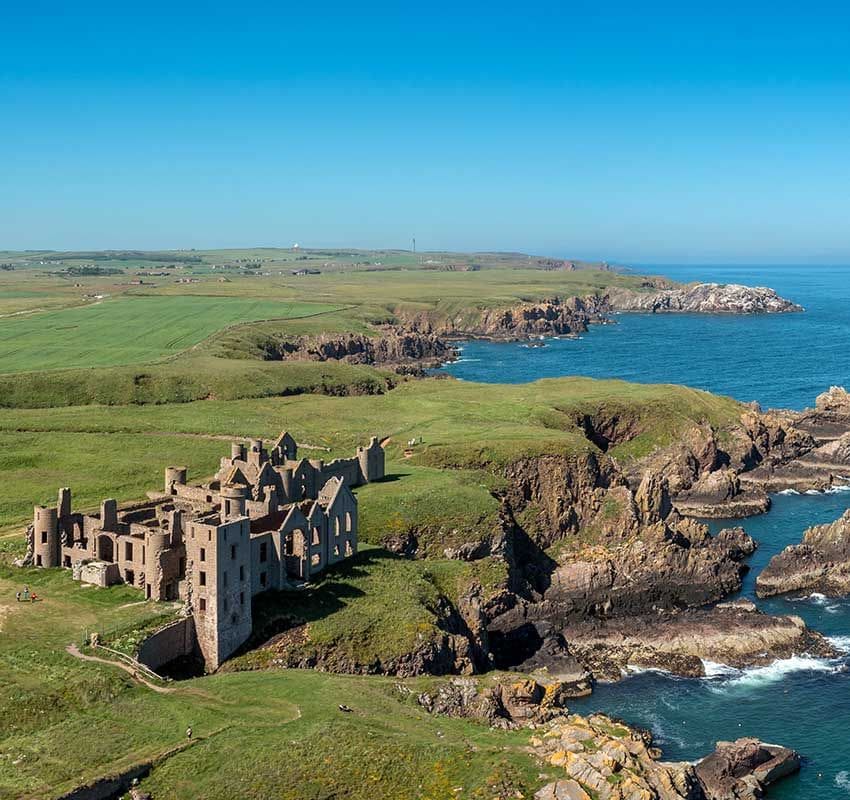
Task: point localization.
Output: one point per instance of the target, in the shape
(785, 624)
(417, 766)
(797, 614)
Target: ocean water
(779, 361)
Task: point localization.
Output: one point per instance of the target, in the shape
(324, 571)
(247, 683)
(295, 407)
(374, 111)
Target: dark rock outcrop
(391, 345)
(735, 634)
(501, 703)
(741, 769)
(821, 563)
(719, 494)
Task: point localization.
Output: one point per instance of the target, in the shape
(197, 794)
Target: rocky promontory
(702, 298)
(821, 563)
(734, 634)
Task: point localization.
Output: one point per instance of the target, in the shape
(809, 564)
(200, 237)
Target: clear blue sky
(638, 132)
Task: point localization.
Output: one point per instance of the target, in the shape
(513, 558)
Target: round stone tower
(175, 476)
(46, 544)
(233, 497)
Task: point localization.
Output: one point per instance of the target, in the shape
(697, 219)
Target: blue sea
(781, 361)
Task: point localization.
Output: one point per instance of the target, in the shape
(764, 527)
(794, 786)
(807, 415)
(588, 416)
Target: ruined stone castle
(268, 520)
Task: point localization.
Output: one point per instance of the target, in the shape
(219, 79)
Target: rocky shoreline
(596, 757)
(821, 563)
(425, 340)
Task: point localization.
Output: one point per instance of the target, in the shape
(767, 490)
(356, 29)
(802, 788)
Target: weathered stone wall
(172, 641)
(346, 468)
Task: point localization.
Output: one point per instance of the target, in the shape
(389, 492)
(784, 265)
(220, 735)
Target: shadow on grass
(275, 612)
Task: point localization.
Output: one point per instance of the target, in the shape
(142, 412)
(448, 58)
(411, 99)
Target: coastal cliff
(392, 345)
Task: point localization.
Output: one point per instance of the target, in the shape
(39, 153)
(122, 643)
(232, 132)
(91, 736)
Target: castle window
(202, 578)
(225, 604)
(224, 578)
(130, 577)
(203, 554)
(348, 521)
(128, 551)
(44, 537)
(242, 598)
(264, 552)
(262, 578)
(241, 573)
(203, 604)
(233, 552)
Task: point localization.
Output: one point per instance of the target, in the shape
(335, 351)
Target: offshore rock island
(494, 552)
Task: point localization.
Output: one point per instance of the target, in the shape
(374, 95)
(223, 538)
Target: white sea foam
(840, 642)
(634, 669)
(842, 780)
(788, 491)
(715, 670)
(760, 676)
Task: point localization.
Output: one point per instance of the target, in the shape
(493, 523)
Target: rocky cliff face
(391, 346)
(703, 298)
(550, 317)
(821, 563)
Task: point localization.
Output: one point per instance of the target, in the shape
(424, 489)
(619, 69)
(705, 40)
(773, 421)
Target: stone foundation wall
(171, 641)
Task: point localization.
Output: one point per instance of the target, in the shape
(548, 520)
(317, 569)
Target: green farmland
(129, 329)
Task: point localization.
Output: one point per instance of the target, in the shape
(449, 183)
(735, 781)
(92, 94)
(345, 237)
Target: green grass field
(128, 329)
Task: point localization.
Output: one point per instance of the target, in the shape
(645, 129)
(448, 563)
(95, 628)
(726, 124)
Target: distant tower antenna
(414, 244)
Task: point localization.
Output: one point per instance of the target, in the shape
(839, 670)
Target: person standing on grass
(26, 593)
(18, 596)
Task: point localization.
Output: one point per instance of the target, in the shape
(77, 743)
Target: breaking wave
(722, 676)
(842, 643)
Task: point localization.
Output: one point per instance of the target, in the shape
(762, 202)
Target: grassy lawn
(123, 466)
(129, 329)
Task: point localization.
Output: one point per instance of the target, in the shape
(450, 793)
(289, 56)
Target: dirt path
(73, 650)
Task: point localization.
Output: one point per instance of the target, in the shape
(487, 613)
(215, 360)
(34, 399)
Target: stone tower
(218, 554)
(46, 548)
(371, 460)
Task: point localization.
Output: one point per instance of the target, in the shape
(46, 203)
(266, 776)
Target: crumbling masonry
(268, 520)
